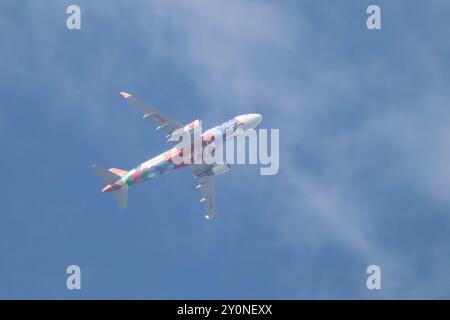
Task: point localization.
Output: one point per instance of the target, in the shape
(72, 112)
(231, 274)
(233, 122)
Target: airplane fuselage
(165, 162)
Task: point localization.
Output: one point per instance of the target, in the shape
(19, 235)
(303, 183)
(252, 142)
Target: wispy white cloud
(260, 55)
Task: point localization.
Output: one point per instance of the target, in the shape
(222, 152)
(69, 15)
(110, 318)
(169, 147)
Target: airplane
(118, 181)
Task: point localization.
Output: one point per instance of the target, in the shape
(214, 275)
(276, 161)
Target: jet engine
(220, 168)
(189, 128)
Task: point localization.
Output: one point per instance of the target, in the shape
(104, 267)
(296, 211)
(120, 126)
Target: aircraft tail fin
(110, 176)
(121, 197)
(107, 175)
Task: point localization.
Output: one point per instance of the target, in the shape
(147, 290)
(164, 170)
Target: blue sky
(364, 139)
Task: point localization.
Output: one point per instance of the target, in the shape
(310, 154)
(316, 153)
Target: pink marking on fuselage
(136, 175)
(207, 138)
(192, 124)
(172, 153)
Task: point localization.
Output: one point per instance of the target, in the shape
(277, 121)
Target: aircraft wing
(206, 187)
(161, 121)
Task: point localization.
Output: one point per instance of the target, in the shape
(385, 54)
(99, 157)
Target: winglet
(125, 95)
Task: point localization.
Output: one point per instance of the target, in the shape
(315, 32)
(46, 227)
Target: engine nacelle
(193, 125)
(189, 129)
(220, 168)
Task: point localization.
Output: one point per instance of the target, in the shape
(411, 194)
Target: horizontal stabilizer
(107, 175)
(119, 172)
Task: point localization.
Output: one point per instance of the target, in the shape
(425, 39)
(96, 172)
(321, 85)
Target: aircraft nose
(252, 120)
(256, 119)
